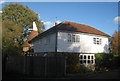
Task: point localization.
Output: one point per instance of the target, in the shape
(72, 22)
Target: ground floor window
(86, 59)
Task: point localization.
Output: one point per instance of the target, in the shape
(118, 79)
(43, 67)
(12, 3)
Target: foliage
(0, 31)
(114, 43)
(106, 61)
(72, 63)
(119, 42)
(23, 16)
(11, 34)
(72, 60)
(16, 20)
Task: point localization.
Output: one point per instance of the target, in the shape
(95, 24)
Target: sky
(100, 15)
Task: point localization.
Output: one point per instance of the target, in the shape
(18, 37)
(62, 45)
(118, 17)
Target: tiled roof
(71, 26)
(31, 36)
(74, 27)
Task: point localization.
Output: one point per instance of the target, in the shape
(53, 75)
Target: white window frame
(85, 61)
(77, 38)
(69, 38)
(97, 41)
(73, 38)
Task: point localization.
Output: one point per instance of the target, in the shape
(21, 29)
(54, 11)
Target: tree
(119, 42)
(16, 20)
(11, 34)
(114, 43)
(23, 16)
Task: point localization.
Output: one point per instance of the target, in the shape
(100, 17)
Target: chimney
(56, 23)
(34, 27)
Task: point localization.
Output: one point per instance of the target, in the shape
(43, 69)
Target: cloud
(117, 20)
(47, 24)
(0, 11)
(58, 21)
(39, 16)
(1, 2)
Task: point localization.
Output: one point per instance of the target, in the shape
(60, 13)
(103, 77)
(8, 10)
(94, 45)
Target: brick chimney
(56, 23)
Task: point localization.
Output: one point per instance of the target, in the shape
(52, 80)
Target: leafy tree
(119, 42)
(114, 43)
(22, 15)
(16, 20)
(11, 34)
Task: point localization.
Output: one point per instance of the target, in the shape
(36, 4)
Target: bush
(106, 61)
(72, 63)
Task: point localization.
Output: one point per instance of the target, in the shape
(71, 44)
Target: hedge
(106, 61)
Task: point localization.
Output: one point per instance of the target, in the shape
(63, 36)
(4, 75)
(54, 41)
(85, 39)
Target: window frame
(83, 60)
(73, 38)
(69, 37)
(97, 41)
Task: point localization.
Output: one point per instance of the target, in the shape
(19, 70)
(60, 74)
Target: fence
(36, 66)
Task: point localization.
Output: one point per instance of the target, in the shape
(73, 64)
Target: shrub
(106, 61)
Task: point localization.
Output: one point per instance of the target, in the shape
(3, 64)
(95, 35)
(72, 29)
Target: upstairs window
(97, 41)
(73, 38)
(77, 38)
(69, 37)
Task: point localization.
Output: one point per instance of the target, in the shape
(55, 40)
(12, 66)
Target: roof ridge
(74, 23)
(81, 24)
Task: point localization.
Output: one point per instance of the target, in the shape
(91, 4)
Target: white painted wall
(85, 45)
(43, 47)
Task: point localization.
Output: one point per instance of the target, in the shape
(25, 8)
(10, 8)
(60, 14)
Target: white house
(70, 37)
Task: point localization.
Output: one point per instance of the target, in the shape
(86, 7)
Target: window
(97, 41)
(86, 59)
(73, 38)
(69, 37)
(81, 57)
(84, 56)
(77, 38)
(89, 57)
(100, 41)
(94, 39)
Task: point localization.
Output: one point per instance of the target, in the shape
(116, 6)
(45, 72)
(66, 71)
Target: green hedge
(106, 61)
